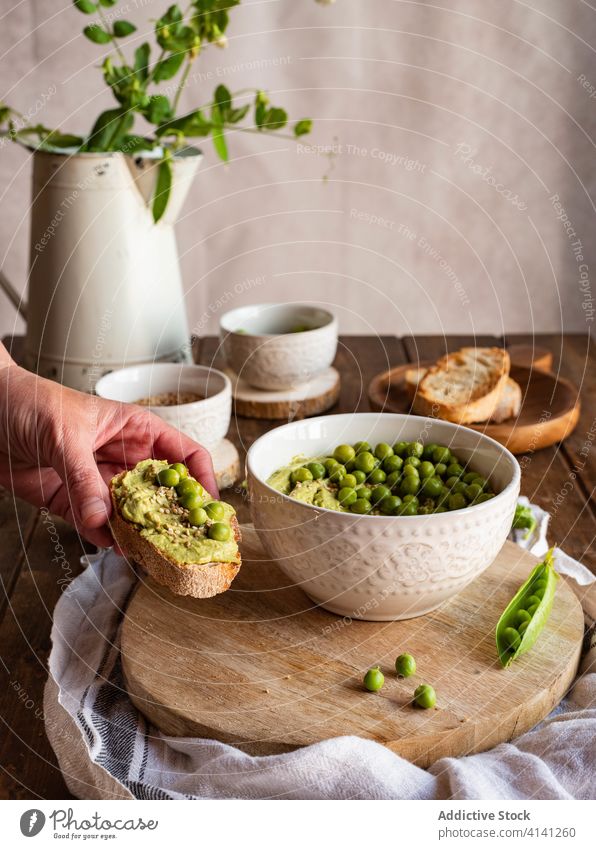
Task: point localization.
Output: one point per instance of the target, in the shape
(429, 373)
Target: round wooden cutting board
(549, 412)
(260, 668)
(309, 399)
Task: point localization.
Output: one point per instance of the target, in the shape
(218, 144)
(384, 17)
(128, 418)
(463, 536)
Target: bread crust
(200, 580)
(509, 404)
(483, 397)
(413, 377)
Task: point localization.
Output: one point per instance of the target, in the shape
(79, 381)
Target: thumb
(88, 494)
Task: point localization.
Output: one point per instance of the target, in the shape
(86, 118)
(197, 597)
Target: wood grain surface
(560, 479)
(549, 412)
(260, 668)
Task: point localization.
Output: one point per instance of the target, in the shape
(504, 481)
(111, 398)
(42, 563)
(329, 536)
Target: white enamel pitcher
(105, 289)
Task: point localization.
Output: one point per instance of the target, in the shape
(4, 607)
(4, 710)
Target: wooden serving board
(309, 399)
(549, 412)
(260, 668)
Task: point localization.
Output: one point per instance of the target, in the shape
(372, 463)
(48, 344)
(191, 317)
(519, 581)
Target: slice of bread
(200, 580)
(509, 403)
(465, 386)
(412, 378)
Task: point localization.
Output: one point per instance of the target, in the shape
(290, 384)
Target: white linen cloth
(107, 750)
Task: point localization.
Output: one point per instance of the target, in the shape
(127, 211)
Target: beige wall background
(453, 141)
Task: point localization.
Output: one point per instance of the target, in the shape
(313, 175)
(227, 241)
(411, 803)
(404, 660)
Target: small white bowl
(259, 345)
(379, 567)
(206, 421)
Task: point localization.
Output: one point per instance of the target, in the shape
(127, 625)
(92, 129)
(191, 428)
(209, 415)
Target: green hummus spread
(321, 493)
(160, 519)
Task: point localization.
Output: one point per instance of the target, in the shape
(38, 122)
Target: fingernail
(91, 509)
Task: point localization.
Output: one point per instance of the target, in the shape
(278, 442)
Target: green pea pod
(518, 629)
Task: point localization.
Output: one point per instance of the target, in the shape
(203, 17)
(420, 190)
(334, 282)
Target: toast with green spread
(169, 524)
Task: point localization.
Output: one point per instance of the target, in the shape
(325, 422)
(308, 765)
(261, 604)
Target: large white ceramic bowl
(259, 345)
(206, 421)
(380, 567)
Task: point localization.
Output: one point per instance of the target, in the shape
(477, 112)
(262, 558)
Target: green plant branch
(254, 131)
(113, 39)
(181, 85)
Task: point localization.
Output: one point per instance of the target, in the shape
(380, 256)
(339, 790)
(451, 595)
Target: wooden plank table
(560, 479)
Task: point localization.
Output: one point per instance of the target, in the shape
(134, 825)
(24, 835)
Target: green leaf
(46, 139)
(127, 88)
(85, 6)
(108, 3)
(109, 129)
(219, 143)
(163, 187)
(172, 16)
(235, 115)
(167, 27)
(97, 34)
(303, 127)
(184, 39)
(142, 55)
(123, 28)
(57, 139)
(261, 102)
(194, 124)
(223, 99)
(168, 68)
(211, 18)
(159, 110)
(133, 144)
(275, 119)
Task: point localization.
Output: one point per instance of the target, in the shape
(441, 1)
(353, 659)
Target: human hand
(60, 448)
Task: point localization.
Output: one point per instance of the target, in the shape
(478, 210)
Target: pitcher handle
(13, 296)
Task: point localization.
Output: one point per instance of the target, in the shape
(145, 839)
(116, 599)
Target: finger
(88, 494)
(101, 537)
(60, 505)
(175, 446)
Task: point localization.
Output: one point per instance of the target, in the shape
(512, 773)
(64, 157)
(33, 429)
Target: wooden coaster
(226, 464)
(308, 399)
(549, 412)
(262, 668)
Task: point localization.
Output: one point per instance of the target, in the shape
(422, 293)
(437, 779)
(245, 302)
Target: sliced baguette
(200, 580)
(464, 387)
(412, 378)
(509, 403)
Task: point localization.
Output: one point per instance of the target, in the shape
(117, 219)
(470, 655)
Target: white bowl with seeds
(196, 400)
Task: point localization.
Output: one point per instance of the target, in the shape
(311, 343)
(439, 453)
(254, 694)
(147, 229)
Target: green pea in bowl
(371, 565)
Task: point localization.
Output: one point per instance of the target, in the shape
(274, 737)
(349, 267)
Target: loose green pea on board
(526, 614)
(524, 519)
